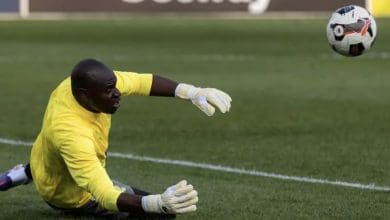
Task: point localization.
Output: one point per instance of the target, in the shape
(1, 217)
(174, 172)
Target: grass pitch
(298, 109)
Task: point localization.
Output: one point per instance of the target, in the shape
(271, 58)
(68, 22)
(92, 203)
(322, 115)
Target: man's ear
(82, 93)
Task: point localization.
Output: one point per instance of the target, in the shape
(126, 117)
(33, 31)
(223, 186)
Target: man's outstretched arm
(162, 86)
(206, 99)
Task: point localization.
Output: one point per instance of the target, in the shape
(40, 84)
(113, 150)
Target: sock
(27, 170)
(18, 175)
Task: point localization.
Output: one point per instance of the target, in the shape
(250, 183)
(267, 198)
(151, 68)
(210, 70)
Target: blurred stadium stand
(26, 8)
(9, 6)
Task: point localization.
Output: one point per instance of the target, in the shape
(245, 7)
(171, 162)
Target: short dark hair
(84, 73)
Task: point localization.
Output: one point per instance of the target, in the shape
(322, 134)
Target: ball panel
(356, 49)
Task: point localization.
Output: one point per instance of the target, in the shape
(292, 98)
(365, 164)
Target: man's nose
(117, 93)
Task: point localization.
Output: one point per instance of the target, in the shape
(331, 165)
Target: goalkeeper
(68, 157)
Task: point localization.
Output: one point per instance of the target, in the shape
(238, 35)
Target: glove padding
(177, 199)
(204, 98)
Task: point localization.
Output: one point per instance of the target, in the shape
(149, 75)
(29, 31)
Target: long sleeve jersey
(68, 157)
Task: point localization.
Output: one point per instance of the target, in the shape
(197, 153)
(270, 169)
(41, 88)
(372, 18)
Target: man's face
(103, 95)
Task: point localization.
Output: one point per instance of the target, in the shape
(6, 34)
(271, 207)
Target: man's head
(93, 86)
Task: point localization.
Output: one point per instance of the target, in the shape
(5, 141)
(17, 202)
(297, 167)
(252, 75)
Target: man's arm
(162, 86)
(204, 98)
(129, 203)
(86, 170)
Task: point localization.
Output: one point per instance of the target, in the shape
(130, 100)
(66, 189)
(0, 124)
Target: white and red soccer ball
(351, 30)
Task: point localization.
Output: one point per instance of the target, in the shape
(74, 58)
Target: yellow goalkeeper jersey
(68, 156)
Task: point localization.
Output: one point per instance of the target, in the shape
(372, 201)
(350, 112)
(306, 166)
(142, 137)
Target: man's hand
(204, 98)
(177, 199)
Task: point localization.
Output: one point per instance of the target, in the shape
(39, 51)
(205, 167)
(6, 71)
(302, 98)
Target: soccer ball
(351, 30)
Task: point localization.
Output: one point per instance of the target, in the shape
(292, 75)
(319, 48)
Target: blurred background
(300, 112)
(27, 8)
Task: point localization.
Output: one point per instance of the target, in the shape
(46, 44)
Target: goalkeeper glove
(204, 98)
(177, 199)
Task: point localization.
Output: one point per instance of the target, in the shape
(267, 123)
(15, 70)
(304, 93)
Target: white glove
(204, 98)
(177, 199)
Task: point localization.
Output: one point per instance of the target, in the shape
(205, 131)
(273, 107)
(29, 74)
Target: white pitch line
(15, 142)
(226, 169)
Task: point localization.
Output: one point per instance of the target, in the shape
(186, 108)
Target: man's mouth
(117, 103)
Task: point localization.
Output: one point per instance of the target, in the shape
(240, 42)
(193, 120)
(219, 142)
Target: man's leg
(92, 208)
(20, 174)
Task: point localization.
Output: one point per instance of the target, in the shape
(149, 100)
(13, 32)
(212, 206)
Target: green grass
(298, 109)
